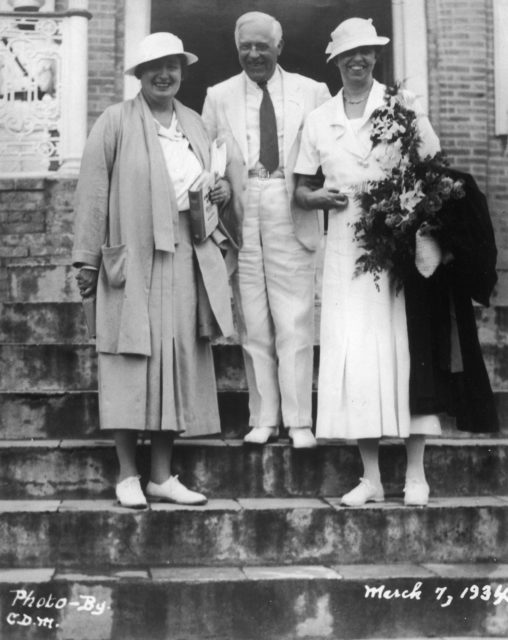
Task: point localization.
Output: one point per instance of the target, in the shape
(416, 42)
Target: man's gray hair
(258, 16)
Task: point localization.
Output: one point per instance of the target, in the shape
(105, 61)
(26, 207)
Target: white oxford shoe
(366, 491)
(129, 494)
(173, 491)
(302, 438)
(416, 493)
(262, 435)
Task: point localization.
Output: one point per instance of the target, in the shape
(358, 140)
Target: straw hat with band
(353, 33)
(155, 46)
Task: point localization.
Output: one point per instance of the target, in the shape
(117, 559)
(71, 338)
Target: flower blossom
(392, 220)
(445, 187)
(433, 203)
(458, 190)
(409, 199)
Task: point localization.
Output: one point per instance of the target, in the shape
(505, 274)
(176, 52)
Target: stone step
(73, 367)
(61, 322)
(63, 367)
(252, 531)
(47, 367)
(70, 469)
(257, 603)
(44, 278)
(50, 323)
(42, 322)
(74, 414)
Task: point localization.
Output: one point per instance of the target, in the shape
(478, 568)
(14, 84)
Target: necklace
(355, 101)
(366, 95)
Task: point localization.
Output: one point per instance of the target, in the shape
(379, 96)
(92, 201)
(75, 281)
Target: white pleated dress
(363, 389)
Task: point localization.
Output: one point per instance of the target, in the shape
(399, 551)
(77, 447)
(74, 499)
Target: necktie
(268, 141)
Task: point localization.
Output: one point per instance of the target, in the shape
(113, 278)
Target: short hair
(138, 71)
(258, 16)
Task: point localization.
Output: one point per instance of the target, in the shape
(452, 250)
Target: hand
(221, 192)
(328, 199)
(87, 282)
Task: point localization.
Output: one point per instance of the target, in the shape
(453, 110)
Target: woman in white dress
(363, 391)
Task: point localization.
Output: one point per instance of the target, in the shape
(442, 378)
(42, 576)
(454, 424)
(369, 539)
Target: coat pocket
(114, 259)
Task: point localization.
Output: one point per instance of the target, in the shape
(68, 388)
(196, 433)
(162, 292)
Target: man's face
(257, 51)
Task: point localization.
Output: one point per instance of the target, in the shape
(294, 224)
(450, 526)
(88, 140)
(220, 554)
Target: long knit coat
(154, 372)
(123, 193)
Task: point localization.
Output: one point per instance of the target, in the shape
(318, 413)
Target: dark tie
(268, 141)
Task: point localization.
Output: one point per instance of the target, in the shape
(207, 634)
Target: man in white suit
(263, 109)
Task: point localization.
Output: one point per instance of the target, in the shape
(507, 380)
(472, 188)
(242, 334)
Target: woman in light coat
(160, 296)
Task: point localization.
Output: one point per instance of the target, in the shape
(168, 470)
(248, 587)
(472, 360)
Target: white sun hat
(353, 33)
(158, 45)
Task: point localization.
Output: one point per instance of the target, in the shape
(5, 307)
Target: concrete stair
(226, 469)
(272, 555)
(252, 531)
(257, 603)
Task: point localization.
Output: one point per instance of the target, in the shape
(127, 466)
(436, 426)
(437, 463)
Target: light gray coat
(125, 206)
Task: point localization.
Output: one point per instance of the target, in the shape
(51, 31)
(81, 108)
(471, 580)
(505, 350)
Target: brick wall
(460, 48)
(105, 57)
(462, 103)
(36, 218)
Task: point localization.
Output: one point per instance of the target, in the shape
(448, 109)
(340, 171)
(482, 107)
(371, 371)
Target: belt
(263, 174)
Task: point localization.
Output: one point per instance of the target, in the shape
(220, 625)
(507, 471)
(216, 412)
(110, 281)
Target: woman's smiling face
(161, 78)
(357, 65)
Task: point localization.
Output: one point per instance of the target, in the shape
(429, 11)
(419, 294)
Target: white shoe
(262, 435)
(173, 491)
(302, 438)
(129, 494)
(416, 493)
(366, 491)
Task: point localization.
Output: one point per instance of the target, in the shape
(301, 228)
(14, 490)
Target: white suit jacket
(224, 113)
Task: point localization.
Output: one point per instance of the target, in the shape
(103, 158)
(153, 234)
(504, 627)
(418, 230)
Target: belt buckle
(263, 174)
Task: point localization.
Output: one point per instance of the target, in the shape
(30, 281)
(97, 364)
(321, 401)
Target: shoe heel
(137, 507)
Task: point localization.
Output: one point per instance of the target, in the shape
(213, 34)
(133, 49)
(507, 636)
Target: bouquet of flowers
(407, 200)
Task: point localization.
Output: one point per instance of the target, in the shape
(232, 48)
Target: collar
(375, 100)
(273, 82)
(173, 132)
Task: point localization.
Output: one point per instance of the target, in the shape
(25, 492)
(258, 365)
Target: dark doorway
(207, 29)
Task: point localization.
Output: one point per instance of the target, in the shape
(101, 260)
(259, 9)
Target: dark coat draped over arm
(447, 368)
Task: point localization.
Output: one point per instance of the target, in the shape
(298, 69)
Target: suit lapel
(293, 110)
(234, 111)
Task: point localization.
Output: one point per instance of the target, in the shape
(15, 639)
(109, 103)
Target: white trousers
(276, 302)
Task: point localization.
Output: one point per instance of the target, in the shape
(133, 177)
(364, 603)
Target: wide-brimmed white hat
(353, 33)
(158, 45)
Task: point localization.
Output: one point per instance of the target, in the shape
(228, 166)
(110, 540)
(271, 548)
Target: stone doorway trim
(409, 43)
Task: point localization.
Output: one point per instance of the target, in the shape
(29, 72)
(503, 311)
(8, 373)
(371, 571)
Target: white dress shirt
(254, 95)
(183, 166)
